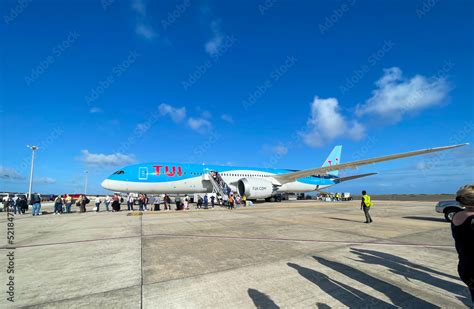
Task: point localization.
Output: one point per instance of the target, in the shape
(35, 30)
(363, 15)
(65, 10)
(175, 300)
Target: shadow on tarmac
(261, 300)
(397, 296)
(342, 219)
(409, 270)
(347, 295)
(434, 219)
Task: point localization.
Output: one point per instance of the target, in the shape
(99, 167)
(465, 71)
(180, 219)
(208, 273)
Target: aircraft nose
(106, 184)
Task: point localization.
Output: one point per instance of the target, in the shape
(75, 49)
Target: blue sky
(101, 84)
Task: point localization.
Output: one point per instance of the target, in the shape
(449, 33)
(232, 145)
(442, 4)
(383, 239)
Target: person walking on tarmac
(365, 205)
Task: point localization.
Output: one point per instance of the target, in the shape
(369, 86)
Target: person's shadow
(347, 295)
(405, 262)
(405, 268)
(261, 300)
(398, 297)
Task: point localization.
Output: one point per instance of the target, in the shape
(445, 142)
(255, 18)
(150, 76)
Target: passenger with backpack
(22, 204)
(115, 203)
(58, 205)
(7, 201)
(177, 200)
(82, 202)
(35, 201)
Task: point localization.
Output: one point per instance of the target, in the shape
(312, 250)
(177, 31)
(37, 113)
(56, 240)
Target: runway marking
(239, 238)
(302, 240)
(68, 242)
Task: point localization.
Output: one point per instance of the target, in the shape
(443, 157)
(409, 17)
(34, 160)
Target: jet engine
(255, 188)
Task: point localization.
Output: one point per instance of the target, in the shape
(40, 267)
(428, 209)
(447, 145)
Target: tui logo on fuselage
(169, 171)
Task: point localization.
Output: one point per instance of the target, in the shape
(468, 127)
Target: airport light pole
(33, 149)
(85, 183)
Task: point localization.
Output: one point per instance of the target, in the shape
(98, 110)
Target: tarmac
(294, 254)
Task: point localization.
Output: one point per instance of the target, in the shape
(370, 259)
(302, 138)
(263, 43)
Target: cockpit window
(119, 172)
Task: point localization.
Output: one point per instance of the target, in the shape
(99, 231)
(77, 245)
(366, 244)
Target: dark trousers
(58, 208)
(367, 214)
(468, 278)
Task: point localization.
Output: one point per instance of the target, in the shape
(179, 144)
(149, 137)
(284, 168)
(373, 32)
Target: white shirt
(97, 200)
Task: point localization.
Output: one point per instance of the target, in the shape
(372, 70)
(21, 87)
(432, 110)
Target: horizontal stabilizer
(342, 179)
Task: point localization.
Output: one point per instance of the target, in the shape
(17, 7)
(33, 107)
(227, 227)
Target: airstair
(218, 184)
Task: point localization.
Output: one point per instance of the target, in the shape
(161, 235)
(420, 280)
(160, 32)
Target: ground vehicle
(346, 196)
(274, 198)
(449, 208)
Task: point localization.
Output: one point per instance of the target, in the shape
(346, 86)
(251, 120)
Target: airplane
(254, 183)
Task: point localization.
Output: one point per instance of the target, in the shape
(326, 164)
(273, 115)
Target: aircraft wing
(342, 179)
(324, 170)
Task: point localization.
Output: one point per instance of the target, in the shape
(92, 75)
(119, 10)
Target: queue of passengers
(63, 203)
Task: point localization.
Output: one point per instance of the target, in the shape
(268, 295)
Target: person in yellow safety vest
(365, 205)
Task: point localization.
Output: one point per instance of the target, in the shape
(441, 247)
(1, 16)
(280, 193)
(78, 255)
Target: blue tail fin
(334, 158)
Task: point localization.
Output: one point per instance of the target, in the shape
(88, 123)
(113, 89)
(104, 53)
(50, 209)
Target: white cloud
(142, 26)
(199, 124)
(206, 114)
(143, 127)
(280, 149)
(327, 123)
(213, 45)
(95, 109)
(100, 159)
(396, 96)
(145, 31)
(227, 118)
(10, 174)
(139, 6)
(176, 114)
(45, 180)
